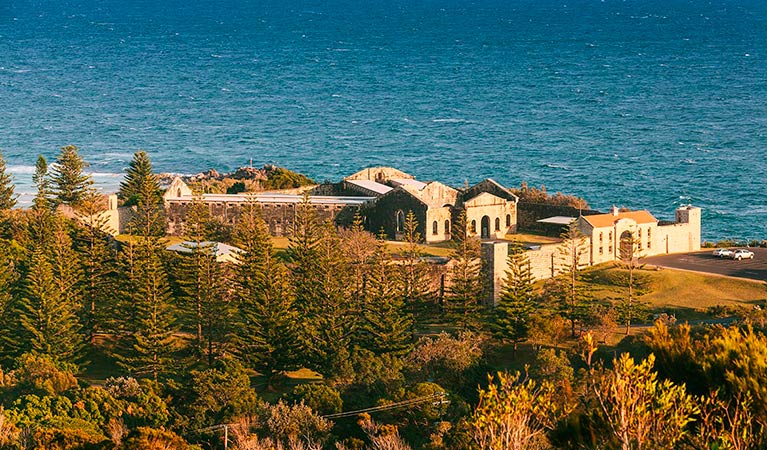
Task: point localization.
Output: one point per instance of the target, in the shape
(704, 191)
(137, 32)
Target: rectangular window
(601, 250)
(649, 238)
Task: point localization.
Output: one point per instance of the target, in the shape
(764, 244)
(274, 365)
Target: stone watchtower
(690, 216)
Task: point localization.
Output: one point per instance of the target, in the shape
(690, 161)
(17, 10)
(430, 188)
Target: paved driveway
(754, 269)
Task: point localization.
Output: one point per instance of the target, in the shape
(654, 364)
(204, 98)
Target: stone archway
(485, 227)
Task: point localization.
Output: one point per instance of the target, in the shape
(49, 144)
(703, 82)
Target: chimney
(615, 210)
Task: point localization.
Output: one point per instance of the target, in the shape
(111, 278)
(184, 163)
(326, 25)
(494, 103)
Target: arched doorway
(485, 227)
(400, 221)
(626, 248)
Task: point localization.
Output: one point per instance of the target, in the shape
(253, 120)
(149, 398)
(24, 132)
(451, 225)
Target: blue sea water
(637, 103)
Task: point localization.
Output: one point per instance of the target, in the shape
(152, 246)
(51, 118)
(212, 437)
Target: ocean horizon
(642, 104)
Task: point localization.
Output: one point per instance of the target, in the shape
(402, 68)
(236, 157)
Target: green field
(688, 295)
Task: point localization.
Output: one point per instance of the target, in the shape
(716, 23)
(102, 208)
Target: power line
(402, 404)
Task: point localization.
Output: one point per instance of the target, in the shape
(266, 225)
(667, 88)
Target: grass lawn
(686, 294)
(443, 249)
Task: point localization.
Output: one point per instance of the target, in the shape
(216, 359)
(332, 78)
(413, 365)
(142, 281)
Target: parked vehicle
(742, 254)
(723, 253)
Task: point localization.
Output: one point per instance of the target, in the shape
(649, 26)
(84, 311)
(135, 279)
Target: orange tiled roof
(607, 220)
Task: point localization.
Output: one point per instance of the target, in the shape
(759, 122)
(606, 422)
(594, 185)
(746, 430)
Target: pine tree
(517, 302)
(268, 338)
(42, 182)
(203, 281)
(417, 286)
(387, 326)
(48, 321)
(66, 267)
(98, 258)
(323, 294)
(70, 183)
(464, 292)
(149, 219)
(574, 302)
(7, 190)
(148, 319)
(8, 286)
(303, 254)
(138, 174)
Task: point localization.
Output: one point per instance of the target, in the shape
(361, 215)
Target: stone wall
(279, 217)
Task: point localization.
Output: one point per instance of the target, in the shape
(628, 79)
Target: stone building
(383, 195)
(603, 236)
(278, 210)
(607, 232)
(491, 209)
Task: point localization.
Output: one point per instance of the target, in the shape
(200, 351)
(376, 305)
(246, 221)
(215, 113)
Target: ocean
(637, 103)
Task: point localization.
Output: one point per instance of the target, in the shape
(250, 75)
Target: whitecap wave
(449, 120)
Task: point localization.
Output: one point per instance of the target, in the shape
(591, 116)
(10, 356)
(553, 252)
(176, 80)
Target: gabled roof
(379, 174)
(609, 219)
(491, 187)
(432, 193)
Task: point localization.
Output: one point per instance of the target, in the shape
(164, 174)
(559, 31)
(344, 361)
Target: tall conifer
(268, 335)
(569, 290)
(138, 173)
(70, 183)
(303, 254)
(387, 326)
(517, 302)
(42, 182)
(417, 285)
(7, 190)
(464, 291)
(48, 320)
(149, 219)
(98, 258)
(8, 288)
(203, 282)
(323, 284)
(148, 343)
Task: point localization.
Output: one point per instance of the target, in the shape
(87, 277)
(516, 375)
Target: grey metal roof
(370, 185)
(276, 198)
(557, 220)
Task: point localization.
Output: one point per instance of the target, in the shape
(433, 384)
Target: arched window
(400, 221)
(179, 192)
(434, 227)
(497, 224)
(474, 226)
(447, 226)
(508, 220)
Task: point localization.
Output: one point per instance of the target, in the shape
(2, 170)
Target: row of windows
(400, 218)
(497, 223)
(435, 227)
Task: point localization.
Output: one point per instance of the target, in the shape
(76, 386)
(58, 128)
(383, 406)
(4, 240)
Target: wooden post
(226, 437)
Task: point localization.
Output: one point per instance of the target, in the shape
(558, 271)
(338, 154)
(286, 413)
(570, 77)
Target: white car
(723, 253)
(742, 254)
